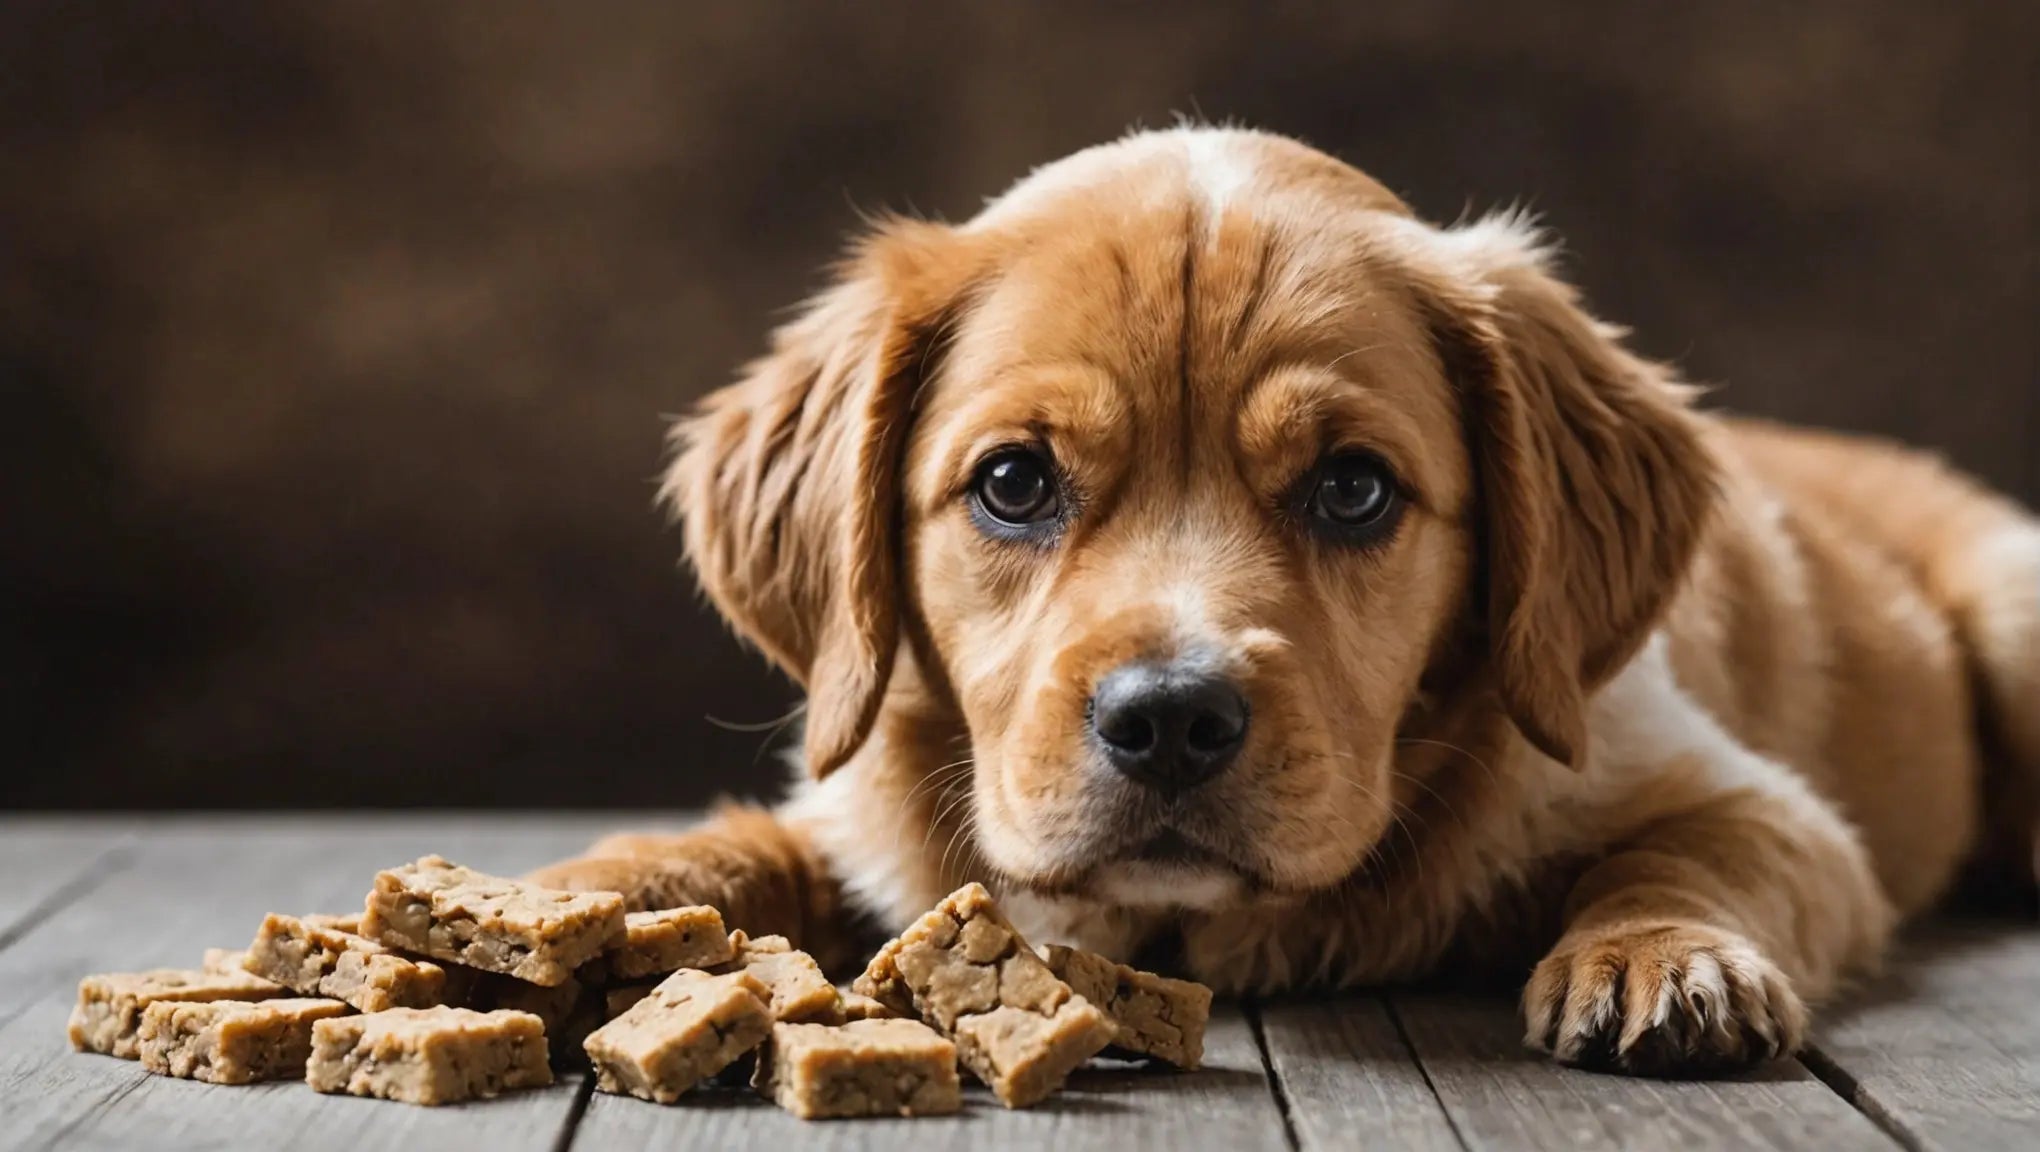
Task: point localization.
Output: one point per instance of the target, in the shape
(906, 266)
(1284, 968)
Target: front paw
(1663, 1000)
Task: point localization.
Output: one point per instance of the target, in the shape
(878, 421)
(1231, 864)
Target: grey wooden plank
(196, 883)
(45, 861)
(1349, 1079)
(1500, 1095)
(1945, 1048)
(1117, 1107)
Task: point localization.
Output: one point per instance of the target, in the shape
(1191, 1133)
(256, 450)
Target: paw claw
(1663, 1000)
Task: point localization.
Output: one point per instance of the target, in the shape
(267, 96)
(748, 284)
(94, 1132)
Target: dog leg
(1740, 895)
(763, 875)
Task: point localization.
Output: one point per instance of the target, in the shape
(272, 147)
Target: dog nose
(1168, 726)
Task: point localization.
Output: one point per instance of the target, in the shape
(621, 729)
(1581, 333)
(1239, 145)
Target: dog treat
(963, 969)
(864, 1068)
(319, 961)
(800, 992)
(687, 1029)
(453, 913)
(658, 943)
(110, 1006)
(428, 1055)
(1156, 1016)
(858, 1006)
(231, 1041)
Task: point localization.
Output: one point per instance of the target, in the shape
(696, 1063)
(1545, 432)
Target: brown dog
(1212, 557)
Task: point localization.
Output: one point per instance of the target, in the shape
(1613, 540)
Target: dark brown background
(334, 338)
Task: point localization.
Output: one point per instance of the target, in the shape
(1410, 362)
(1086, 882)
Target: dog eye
(1352, 491)
(1016, 488)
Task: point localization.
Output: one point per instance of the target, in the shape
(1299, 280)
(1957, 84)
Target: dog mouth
(1169, 870)
(1172, 849)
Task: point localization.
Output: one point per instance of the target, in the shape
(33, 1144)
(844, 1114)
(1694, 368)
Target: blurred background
(335, 338)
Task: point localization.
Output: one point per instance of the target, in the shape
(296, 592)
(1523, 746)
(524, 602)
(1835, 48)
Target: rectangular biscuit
(663, 942)
(109, 1010)
(428, 1055)
(448, 912)
(965, 970)
(1157, 1017)
(863, 1068)
(687, 1029)
(800, 992)
(314, 960)
(231, 1041)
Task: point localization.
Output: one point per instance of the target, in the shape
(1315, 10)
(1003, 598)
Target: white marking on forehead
(1187, 607)
(1217, 162)
(1218, 167)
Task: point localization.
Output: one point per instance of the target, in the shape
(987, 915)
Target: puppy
(1225, 565)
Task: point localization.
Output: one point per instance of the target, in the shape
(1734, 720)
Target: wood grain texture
(1107, 1106)
(1945, 1049)
(1945, 1053)
(1349, 1079)
(45, 861)
(194, 884)
(1501, 1096)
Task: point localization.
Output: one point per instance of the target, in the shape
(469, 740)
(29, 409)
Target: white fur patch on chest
(1643, 723)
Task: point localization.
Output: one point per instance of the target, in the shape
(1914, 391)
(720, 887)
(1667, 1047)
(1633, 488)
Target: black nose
(1169, 726)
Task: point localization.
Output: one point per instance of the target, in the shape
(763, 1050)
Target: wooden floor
(1943, 1053)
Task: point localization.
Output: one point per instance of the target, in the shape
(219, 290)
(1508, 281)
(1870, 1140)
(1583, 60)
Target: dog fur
(1674, 715)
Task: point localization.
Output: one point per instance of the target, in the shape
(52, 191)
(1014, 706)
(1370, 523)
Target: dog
(1238, 573)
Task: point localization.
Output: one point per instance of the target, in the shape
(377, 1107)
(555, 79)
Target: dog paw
(1665, 1000)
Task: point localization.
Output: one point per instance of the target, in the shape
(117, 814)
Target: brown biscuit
(864, 1068)
(1156, 1016)
(231, 1041)
(428, 1055)
(966, 971)
(448, 912)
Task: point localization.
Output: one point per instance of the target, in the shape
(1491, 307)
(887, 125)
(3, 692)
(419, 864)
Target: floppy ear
(1595, 481)
(788, 480)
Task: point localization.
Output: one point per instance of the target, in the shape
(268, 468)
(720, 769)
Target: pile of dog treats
(453, 985)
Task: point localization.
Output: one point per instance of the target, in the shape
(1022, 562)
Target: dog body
(1228, 567)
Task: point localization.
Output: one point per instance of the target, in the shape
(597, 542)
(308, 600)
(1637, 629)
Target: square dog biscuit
(428, 1055)
(800, 993)
(965, 970)
(231, 1041)
(1157, 1017)
(663, 942)
(315, 960)
(448, 912)
(687, 1029)
(864, 1068)
(109, 1011)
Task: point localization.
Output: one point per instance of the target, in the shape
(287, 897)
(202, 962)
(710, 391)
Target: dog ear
(788, 480)
(1594, 477)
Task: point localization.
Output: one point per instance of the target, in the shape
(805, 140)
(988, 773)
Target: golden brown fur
(1672, 715)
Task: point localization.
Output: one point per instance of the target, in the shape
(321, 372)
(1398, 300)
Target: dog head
(1192, 472)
